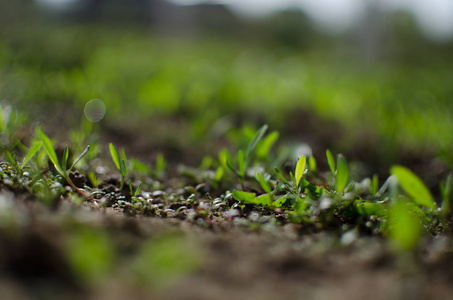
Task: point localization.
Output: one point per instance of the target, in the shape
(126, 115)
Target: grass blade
(114, 154)
(413, 185)
(80, 157)
(280, 175)
(31, 152)
(50, 151)
(446, 192)
(300, 168)
(312, 164)
(264, 184)
(137, 191)
(242, 163)
(374, 185)
(405, 229)
(330, 161)
(263, 150)
(342, 174)
(258, 136)
(64, 159)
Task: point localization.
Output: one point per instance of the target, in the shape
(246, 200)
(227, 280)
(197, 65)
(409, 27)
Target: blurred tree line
(389, 36)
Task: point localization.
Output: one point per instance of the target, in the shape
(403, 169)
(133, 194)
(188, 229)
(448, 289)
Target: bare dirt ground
(270, 263)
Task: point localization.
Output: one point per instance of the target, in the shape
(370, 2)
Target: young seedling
(120, 164)
(414, 186)
(35, 147)
(243, 158)
(137, 191)
(340, 171)
(62, 168)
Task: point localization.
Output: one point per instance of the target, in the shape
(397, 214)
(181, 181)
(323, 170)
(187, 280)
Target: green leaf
(300, 168)
(225, 159)
(138, 189)
(243, 196)
(280, 175)
(139, 166)
(413, 185)
(330, 161)
(374, 184)
(312, 164)
(265, 199)
(372, 208)
(280, 201)
(242, 163)
(31, 152)
(265, 146)
(446, 192)
(64, 159)
(251, 147)
(161, 164)
(115, 158)
(404, 228)
(264, 184)
(342, 174)
(218, 174)
(80, 157)
(123, 168)
(50, 151)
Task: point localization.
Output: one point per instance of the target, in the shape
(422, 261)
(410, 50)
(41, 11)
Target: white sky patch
(258, 8)
(195, 2)
(435, 17)
(334, 15)
(57, 4)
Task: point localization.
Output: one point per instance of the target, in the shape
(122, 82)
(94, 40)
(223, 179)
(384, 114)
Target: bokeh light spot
(95, 110)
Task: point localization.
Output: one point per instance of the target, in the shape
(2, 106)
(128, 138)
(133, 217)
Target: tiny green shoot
(120, 164)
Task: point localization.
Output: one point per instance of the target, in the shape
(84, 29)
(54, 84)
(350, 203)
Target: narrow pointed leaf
(280, 175)
(330, 161)
(115, 158)
(242, 163)
(405, 228)
(264, 184)
(50, 151)
(374, 184)
(300, 168)
(266, 144)
(251, 147)
(137, 191)
(80, 157)
(413, 185)
(123, 168)
(312, 164)
(342, 174)
(64, 159)
(31, 152)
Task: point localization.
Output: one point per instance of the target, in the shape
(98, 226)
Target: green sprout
(340, 171)
(243, 158)
(119, 164)
(62, 167)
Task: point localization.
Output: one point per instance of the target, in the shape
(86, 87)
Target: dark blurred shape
(102, 10)
(291, 28)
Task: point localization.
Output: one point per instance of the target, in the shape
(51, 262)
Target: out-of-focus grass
(140, 77)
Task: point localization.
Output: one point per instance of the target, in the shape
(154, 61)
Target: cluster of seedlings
(243, 190)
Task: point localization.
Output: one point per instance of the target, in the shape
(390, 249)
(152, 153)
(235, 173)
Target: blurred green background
(178, 78)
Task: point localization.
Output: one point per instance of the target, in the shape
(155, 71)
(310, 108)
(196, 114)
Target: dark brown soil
(271, 263)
